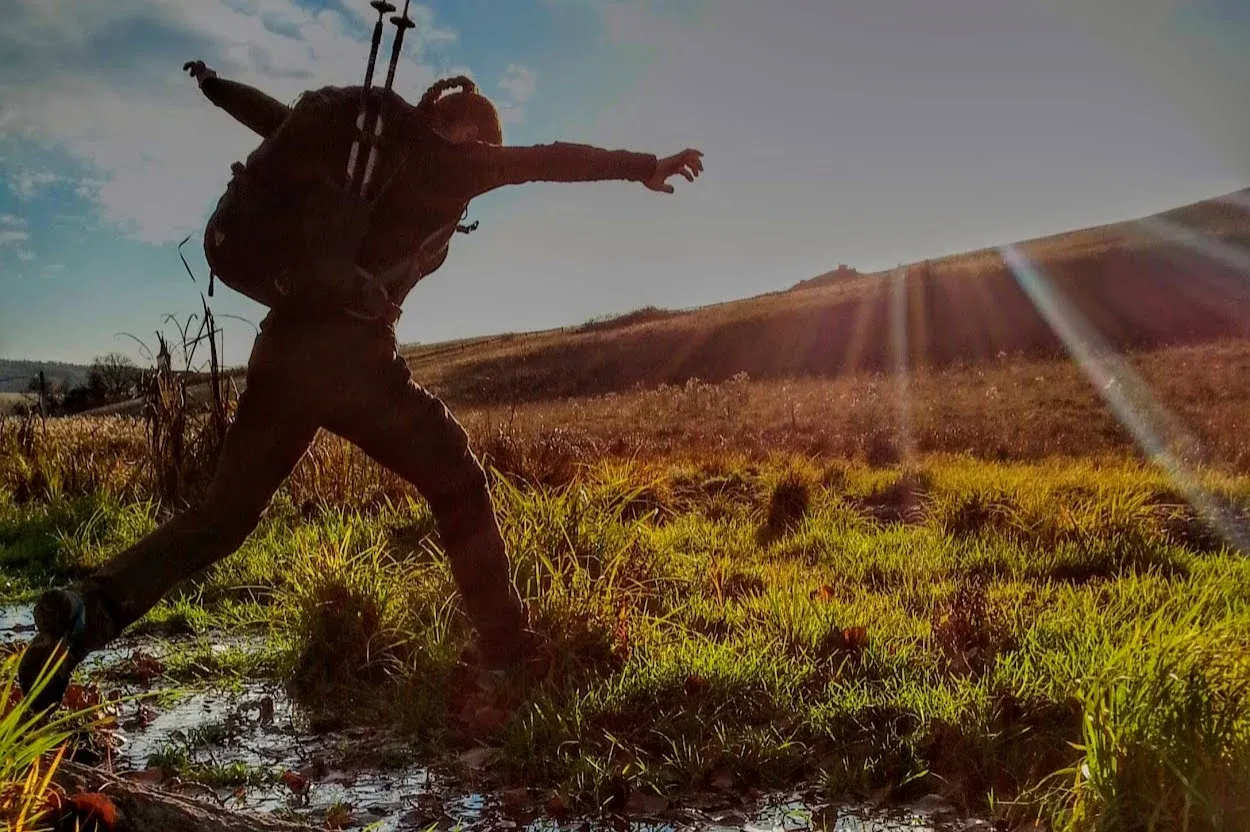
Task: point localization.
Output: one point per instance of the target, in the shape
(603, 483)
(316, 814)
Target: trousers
(310, 372)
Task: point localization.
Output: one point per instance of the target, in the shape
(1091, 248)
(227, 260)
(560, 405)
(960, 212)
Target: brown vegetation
(1008, 410)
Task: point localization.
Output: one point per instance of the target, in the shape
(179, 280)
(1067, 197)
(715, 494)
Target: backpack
(287, 232)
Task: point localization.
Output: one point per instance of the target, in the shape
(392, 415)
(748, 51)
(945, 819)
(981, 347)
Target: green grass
(32, 746)
(1068, 639)
(180, 759)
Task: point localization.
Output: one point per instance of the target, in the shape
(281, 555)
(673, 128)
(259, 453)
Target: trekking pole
(402, 24)
(382, 8)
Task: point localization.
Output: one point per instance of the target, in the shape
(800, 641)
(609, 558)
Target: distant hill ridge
(1138, 283)
(16, 375)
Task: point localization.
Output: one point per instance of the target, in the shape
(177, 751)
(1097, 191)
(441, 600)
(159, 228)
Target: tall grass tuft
(1165, 736)
(32, 746)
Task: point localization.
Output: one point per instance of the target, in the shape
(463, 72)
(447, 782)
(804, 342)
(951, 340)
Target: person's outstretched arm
(252, 108)
(473, 168)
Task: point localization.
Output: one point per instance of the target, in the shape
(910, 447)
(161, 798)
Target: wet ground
(253, 739)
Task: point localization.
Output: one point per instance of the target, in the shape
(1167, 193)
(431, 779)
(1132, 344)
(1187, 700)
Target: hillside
(1132, 281)
(16, 375)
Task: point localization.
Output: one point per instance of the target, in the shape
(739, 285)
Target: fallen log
(141, 808)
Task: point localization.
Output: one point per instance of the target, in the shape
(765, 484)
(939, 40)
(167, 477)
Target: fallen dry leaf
(855, 638)
(294, 782)
(144, 667)
(80, 698)
(94, 811)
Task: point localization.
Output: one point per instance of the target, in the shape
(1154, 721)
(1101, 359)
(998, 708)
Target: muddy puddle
(251, 742)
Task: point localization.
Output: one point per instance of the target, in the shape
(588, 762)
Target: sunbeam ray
(899, 348)
(1221, 251)
(1124, 391)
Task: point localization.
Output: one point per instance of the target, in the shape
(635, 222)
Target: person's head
(462, 116)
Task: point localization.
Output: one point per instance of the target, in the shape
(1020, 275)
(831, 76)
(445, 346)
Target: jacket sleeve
(479, 167)
(251, 107)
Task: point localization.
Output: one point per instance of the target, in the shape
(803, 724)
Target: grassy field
(8, 401)
(746, 585)
(876, 535)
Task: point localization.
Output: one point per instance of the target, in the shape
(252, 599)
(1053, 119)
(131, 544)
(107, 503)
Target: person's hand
(689, 163)
(199, 71)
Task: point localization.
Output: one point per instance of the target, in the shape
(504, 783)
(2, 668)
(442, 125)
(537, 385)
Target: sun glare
(1155, 430)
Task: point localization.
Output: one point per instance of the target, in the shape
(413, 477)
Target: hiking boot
(65, 635)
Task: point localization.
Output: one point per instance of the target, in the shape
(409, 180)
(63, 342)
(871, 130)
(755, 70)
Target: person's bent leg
(267, 438)
(410, 431)
(264, 443)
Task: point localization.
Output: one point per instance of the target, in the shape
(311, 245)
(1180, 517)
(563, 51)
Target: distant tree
(113, 376)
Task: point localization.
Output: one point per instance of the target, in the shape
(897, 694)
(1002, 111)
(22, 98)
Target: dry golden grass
(8, 401)
(1005, 410)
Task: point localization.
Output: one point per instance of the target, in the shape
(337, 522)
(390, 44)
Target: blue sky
(870, 133)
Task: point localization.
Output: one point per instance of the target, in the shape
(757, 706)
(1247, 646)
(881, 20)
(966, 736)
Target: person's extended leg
(411, 432)
(271, 431)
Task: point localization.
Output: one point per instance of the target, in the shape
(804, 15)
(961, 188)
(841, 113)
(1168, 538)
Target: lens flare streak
(1128, 396)
(1221, 251)
(899, 344)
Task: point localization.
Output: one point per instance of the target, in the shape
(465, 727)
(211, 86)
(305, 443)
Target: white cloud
(27, 184)
(519, 82)
(12, 221)
(11, 238)
(104, 82)
(26, 255)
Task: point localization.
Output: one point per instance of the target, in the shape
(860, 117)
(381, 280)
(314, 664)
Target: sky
(866, 132)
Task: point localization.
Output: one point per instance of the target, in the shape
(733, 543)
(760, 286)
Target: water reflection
(256, 725)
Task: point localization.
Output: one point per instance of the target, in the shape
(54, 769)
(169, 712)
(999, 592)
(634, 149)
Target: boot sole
(56, 617)
(42, 652)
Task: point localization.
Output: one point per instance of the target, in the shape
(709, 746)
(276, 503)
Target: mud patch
(250, 747)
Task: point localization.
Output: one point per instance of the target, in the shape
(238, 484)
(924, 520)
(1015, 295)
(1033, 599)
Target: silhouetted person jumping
(326, 357)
